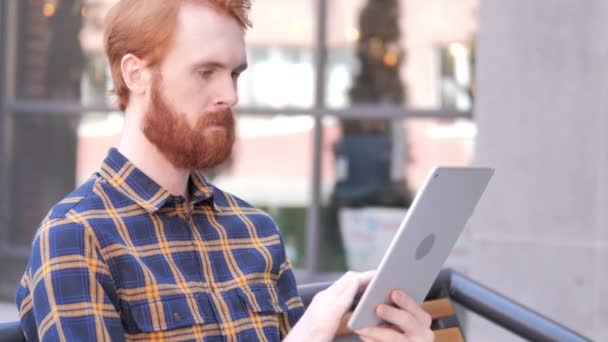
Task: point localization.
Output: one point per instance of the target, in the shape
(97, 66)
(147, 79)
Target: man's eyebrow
(219, 65)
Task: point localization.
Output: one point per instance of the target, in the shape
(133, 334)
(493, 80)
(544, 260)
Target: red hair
(145, 28)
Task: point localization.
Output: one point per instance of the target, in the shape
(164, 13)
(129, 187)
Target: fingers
(401, 319)
(406, 321)
(329, 306)
(367, 339)
(392, 333)
(347, 285)
(351, 282)
(366, 277)
(406, 303)
(339, 296)
(337, 299)
(380, 334)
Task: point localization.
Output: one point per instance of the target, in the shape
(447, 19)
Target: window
(57, 120)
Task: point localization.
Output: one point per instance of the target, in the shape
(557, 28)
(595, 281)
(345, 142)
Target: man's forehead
(205, 35)
(204, 18)
(216, 53)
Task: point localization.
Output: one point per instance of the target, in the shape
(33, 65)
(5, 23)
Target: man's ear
(135, 73)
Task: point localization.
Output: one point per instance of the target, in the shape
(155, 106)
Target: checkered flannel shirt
(122, 259)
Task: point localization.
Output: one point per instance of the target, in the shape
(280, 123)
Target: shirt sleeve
(288, 294)
(67, 291)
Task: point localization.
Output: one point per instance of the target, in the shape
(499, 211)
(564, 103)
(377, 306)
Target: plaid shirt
(122, 259)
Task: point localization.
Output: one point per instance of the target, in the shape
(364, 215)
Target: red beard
(206, 145)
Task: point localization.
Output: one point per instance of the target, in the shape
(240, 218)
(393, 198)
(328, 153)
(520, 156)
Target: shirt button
(176, 317)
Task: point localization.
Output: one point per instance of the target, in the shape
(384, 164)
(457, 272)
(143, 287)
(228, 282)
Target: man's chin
(217, 136)
(217, 132)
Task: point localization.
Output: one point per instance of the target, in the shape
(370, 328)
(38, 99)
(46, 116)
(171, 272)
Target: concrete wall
(540, 234)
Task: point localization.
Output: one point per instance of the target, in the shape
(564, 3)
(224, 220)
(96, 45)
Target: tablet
(425, 238)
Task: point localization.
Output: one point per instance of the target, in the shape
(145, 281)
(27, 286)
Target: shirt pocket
(263, 299)
(167, 313)
(264, 308)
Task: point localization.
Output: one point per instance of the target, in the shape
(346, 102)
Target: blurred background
(344, 108)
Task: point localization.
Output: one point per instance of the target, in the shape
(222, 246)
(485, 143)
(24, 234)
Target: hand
(322, 317)
(406, 322)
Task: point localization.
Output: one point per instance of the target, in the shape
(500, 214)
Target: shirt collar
(120, 173)
(200, 190)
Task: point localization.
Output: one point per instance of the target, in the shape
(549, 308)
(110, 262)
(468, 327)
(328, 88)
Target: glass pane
(59, 51)
(269, 79)
(41, 171)
(51, 155)
(418, 53)
(369, 181)
(282, 23)
(281, 61)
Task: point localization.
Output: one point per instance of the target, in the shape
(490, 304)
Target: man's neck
(146, 157)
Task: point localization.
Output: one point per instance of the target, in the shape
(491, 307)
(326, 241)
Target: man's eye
(235, 75)
(206, 74)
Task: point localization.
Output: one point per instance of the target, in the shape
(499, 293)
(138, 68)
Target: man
(147, 249)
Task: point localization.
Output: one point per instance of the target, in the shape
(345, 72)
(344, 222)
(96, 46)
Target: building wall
(540, 234)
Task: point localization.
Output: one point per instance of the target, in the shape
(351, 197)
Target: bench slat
(448, 335)
(439, 308)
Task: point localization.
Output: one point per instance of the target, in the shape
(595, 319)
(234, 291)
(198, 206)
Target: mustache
(218, 118)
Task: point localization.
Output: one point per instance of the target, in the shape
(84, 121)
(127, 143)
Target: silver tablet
(425, 238)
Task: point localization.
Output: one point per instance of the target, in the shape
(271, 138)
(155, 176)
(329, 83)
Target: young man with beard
(147, 249)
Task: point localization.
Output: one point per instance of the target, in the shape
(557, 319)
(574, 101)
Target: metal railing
(505, 312)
